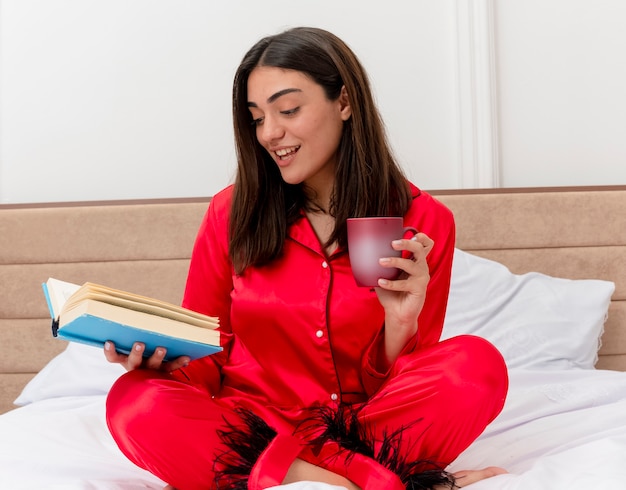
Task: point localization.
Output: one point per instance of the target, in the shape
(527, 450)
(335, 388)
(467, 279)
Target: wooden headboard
(575, 233)
(144, 247)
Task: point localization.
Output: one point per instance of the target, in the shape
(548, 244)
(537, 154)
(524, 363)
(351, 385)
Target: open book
(92, 314)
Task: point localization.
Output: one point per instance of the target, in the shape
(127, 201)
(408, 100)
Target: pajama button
(334, 397)
(319, 334)
(324, 264)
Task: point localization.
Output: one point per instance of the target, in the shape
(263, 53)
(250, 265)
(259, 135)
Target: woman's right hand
(135, 359)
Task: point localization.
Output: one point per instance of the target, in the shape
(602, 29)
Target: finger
(135, 358)
(467, 477)
(408, 244)
(177, 363)
(407, 285)
(419, 245)
(412, 282)
(428, 244)
(410, 249)
(155, 361)
(112, 355)
(423, 239)
(415, 265)
(412, 266)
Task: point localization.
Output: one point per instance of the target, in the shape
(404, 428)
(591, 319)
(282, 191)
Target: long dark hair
(368, 181)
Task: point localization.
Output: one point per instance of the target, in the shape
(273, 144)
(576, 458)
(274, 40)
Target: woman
(319, 379)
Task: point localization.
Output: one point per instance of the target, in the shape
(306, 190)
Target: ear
(344, 104)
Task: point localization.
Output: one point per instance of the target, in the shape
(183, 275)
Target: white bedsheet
(560, 430)
(563, 426)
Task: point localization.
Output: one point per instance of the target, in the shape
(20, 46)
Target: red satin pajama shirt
(300, 333)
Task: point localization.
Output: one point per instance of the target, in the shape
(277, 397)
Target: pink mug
(369, 239)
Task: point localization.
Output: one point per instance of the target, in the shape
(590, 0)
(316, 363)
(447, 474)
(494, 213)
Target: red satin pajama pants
(444, 396)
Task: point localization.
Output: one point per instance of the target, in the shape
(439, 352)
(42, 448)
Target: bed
(539, 272)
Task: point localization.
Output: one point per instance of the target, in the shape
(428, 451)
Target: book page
(59, 292)
(92, 318)
(139, 303)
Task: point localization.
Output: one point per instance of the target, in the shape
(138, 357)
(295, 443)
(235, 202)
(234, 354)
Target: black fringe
(342, 426)
(245, 444)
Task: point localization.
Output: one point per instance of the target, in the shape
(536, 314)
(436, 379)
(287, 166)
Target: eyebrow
(275, 96)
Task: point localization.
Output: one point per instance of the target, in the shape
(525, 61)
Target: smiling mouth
(285, 153)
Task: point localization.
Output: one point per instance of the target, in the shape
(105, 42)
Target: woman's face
(297, 124)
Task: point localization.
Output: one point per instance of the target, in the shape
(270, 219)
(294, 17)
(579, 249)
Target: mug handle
(406, 229)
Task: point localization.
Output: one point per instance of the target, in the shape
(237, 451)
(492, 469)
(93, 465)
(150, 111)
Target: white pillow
(534, 320)
(79, 370)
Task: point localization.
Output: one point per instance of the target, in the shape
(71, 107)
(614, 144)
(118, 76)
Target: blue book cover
(93, 330)
(93, 322)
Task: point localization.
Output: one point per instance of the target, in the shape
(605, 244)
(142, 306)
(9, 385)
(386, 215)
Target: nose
(270, 130)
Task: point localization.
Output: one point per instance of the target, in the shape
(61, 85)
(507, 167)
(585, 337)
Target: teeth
(286, 151)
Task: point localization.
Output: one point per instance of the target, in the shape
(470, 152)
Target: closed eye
(290, 112)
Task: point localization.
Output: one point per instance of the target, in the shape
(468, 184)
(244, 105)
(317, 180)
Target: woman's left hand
(403, 298)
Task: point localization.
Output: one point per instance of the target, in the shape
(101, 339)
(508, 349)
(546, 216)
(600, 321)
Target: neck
(314, 207)
(318, 200)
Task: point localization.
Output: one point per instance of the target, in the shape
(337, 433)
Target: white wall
(123, 99)
(562, 91)
(131, 99)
